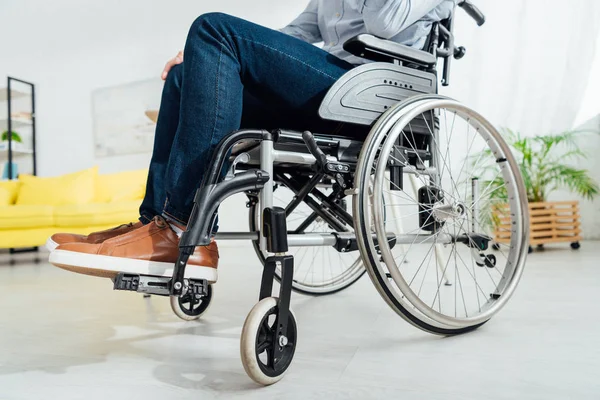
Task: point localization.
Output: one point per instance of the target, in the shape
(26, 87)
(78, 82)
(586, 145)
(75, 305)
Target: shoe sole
(109, 267)
(51, 244)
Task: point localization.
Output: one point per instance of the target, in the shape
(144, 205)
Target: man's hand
(178, 59)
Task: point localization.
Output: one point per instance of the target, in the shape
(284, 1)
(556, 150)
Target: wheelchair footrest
(157, 285)
(126, 282)
(142, 284)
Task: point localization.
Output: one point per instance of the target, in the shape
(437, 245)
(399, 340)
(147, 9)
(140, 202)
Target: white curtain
(528, 66)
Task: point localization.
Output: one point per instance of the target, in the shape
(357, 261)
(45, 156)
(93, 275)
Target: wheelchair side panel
(367, 91)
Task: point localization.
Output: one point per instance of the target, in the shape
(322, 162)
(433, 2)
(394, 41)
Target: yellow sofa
(33, 208)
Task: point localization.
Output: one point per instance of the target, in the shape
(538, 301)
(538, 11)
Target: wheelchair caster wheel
(530, 250)
(190, 308)
(575, 245)
(257, 341)
(496, 246)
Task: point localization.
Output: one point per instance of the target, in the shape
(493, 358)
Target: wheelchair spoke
(455, 193)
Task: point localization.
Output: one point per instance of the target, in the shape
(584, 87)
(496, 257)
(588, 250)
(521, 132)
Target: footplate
(157, 285)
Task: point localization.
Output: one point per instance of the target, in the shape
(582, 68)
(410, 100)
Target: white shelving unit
(17, 122)
(15, 94)
(17, 109)
(17, 148)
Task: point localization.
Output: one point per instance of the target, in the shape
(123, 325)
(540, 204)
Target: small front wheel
(259, 340)
(190, 307)
(575, 245)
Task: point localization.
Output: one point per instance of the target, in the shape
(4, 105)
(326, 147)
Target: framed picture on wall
(121, 123)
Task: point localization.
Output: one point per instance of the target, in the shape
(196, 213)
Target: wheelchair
(414, 205)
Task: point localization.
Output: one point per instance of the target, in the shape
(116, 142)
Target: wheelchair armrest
(377, 49)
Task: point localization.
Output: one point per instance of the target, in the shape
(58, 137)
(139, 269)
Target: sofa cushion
(4, 197)
(26, 216)
(75, 188)
(96, 214)
(30, 237)
(8, 192)
(121, 186)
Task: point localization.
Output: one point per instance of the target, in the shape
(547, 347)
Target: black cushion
(377, 49)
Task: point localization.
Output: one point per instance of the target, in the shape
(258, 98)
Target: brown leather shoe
(148, 250)
(96, 237)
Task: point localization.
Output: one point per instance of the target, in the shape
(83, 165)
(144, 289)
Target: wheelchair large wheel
(317, 270)
(438, 178)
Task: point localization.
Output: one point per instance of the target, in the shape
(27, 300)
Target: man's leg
(154, 200)
(166, 127)
(223, 55)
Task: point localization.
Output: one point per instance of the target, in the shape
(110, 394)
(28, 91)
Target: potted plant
(13, 135)
(545, 164)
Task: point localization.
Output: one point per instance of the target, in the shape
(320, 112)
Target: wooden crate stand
(549, 222)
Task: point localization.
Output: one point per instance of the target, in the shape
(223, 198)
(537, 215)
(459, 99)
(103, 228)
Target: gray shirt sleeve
(306, 25)
(387, 18)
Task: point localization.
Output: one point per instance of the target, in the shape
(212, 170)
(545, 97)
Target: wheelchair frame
(361, 96)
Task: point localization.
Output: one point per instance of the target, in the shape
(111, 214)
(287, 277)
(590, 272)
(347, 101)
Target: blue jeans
(236, 74)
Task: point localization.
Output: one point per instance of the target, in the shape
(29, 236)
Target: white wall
(588, 141)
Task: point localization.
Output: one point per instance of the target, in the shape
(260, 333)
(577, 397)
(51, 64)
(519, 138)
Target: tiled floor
(67, 336)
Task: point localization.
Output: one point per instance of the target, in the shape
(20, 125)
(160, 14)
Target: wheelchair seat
(341, 148)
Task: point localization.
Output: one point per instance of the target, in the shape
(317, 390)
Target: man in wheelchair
(431, 181)
(237, 74)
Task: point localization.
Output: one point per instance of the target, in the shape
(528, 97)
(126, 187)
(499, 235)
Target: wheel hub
(443, 212)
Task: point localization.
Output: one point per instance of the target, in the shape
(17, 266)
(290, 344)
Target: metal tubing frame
(328, 239)
(293, 183)
(268, 157)
(266, 194)
(331, 219)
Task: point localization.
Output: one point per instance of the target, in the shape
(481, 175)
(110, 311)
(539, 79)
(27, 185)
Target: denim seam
(212, 135)
(271, 48)
(275, 50)
(287, 55)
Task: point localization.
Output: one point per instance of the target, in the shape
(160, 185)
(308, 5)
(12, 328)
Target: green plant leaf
(543, 162)
(14, 136)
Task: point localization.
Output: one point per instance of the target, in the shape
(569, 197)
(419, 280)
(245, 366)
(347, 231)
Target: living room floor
(62, 333)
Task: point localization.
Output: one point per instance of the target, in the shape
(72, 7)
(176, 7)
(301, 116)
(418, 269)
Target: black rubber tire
(191, 315)
(253, 330)
(378, 279)
(575, 245)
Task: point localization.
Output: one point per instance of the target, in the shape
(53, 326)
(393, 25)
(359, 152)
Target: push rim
(399, 293)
